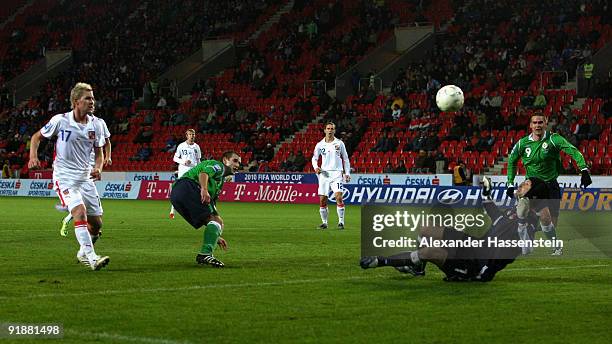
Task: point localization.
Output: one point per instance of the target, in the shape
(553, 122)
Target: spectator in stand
(264, 166)
(431, 142)
(289, 164)
(485, 101)
(482, 144)
(145, 135)
(148, 119)
(382, 144)
(588, 68)
(252, 166)
(396, 113)
(162, 103)
(459, 174)
(388, 168)
(583, 130)
(421, 161)
(401, 167)
(143, 154)
(393, 142)
(540, 100)
(481, 120)
(594, 131)
(300, 161)
(430, 162)
(419, 142)
(268, 152)
(170, 144)
(123, 126)
(440, 163)
(455, 133)
(6, 170)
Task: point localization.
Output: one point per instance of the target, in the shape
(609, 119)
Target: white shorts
(71, 194)
(330, 180)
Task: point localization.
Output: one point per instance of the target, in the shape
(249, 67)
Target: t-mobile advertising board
(155, 190)
(269, 192)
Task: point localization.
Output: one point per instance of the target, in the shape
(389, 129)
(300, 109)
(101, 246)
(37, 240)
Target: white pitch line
(195, 287)
(258, 284)
(557, 267)
(119, 337)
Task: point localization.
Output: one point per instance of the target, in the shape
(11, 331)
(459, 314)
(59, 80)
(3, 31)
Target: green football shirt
(541, 158)
(214, 169)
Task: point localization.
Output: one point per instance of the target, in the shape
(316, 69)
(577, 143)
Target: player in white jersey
(78, 132)
(92, 161)
(187, 155)
(335, 169)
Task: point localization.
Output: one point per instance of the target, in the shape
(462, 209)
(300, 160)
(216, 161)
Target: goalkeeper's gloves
(585, 180)
(510, 191)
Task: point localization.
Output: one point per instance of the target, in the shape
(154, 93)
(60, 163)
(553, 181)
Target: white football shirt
(101, 122)
(333, 153)
(75, 143)
(185, 152)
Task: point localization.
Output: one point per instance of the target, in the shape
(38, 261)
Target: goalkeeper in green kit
(540, 152)
(194, 196)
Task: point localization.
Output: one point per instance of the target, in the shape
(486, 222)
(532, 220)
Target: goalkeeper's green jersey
(541, 158)
(214, 169)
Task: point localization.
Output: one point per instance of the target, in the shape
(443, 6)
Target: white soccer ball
(449, 98)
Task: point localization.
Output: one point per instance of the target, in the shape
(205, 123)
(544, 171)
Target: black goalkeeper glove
(510, 191)
(585, 180)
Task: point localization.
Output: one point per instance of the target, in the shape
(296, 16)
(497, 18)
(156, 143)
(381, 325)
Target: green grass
(284, 281)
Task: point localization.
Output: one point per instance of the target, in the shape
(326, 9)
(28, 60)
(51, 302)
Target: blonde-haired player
(335, 169)
(78, 132)
(187, 155)
(107, 150)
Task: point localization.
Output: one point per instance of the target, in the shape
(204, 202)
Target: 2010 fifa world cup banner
(283, 178)
(269, 192)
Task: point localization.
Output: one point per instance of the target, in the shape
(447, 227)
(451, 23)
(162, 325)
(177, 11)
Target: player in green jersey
(540, 153)
(197, 204)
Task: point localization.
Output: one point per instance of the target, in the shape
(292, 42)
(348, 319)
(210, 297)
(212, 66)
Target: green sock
(211, 235)
(549, 232)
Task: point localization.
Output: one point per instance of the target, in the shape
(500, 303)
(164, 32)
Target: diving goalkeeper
(470, 263)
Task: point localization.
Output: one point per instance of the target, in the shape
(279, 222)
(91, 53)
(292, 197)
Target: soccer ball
(449, 98)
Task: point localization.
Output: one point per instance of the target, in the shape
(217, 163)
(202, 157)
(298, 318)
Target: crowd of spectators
(489, 47)
(127, 43)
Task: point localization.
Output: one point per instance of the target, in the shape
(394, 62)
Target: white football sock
(549, 232)
(414, 257)
(67, 218)
(340, 210)
(84, 238)
(323, 212)
(523, 233)
(172, 209)
(548, 229)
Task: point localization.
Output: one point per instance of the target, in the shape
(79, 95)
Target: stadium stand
(268, 105)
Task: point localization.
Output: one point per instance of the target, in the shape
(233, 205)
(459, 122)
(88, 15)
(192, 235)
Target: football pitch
(284, 281)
